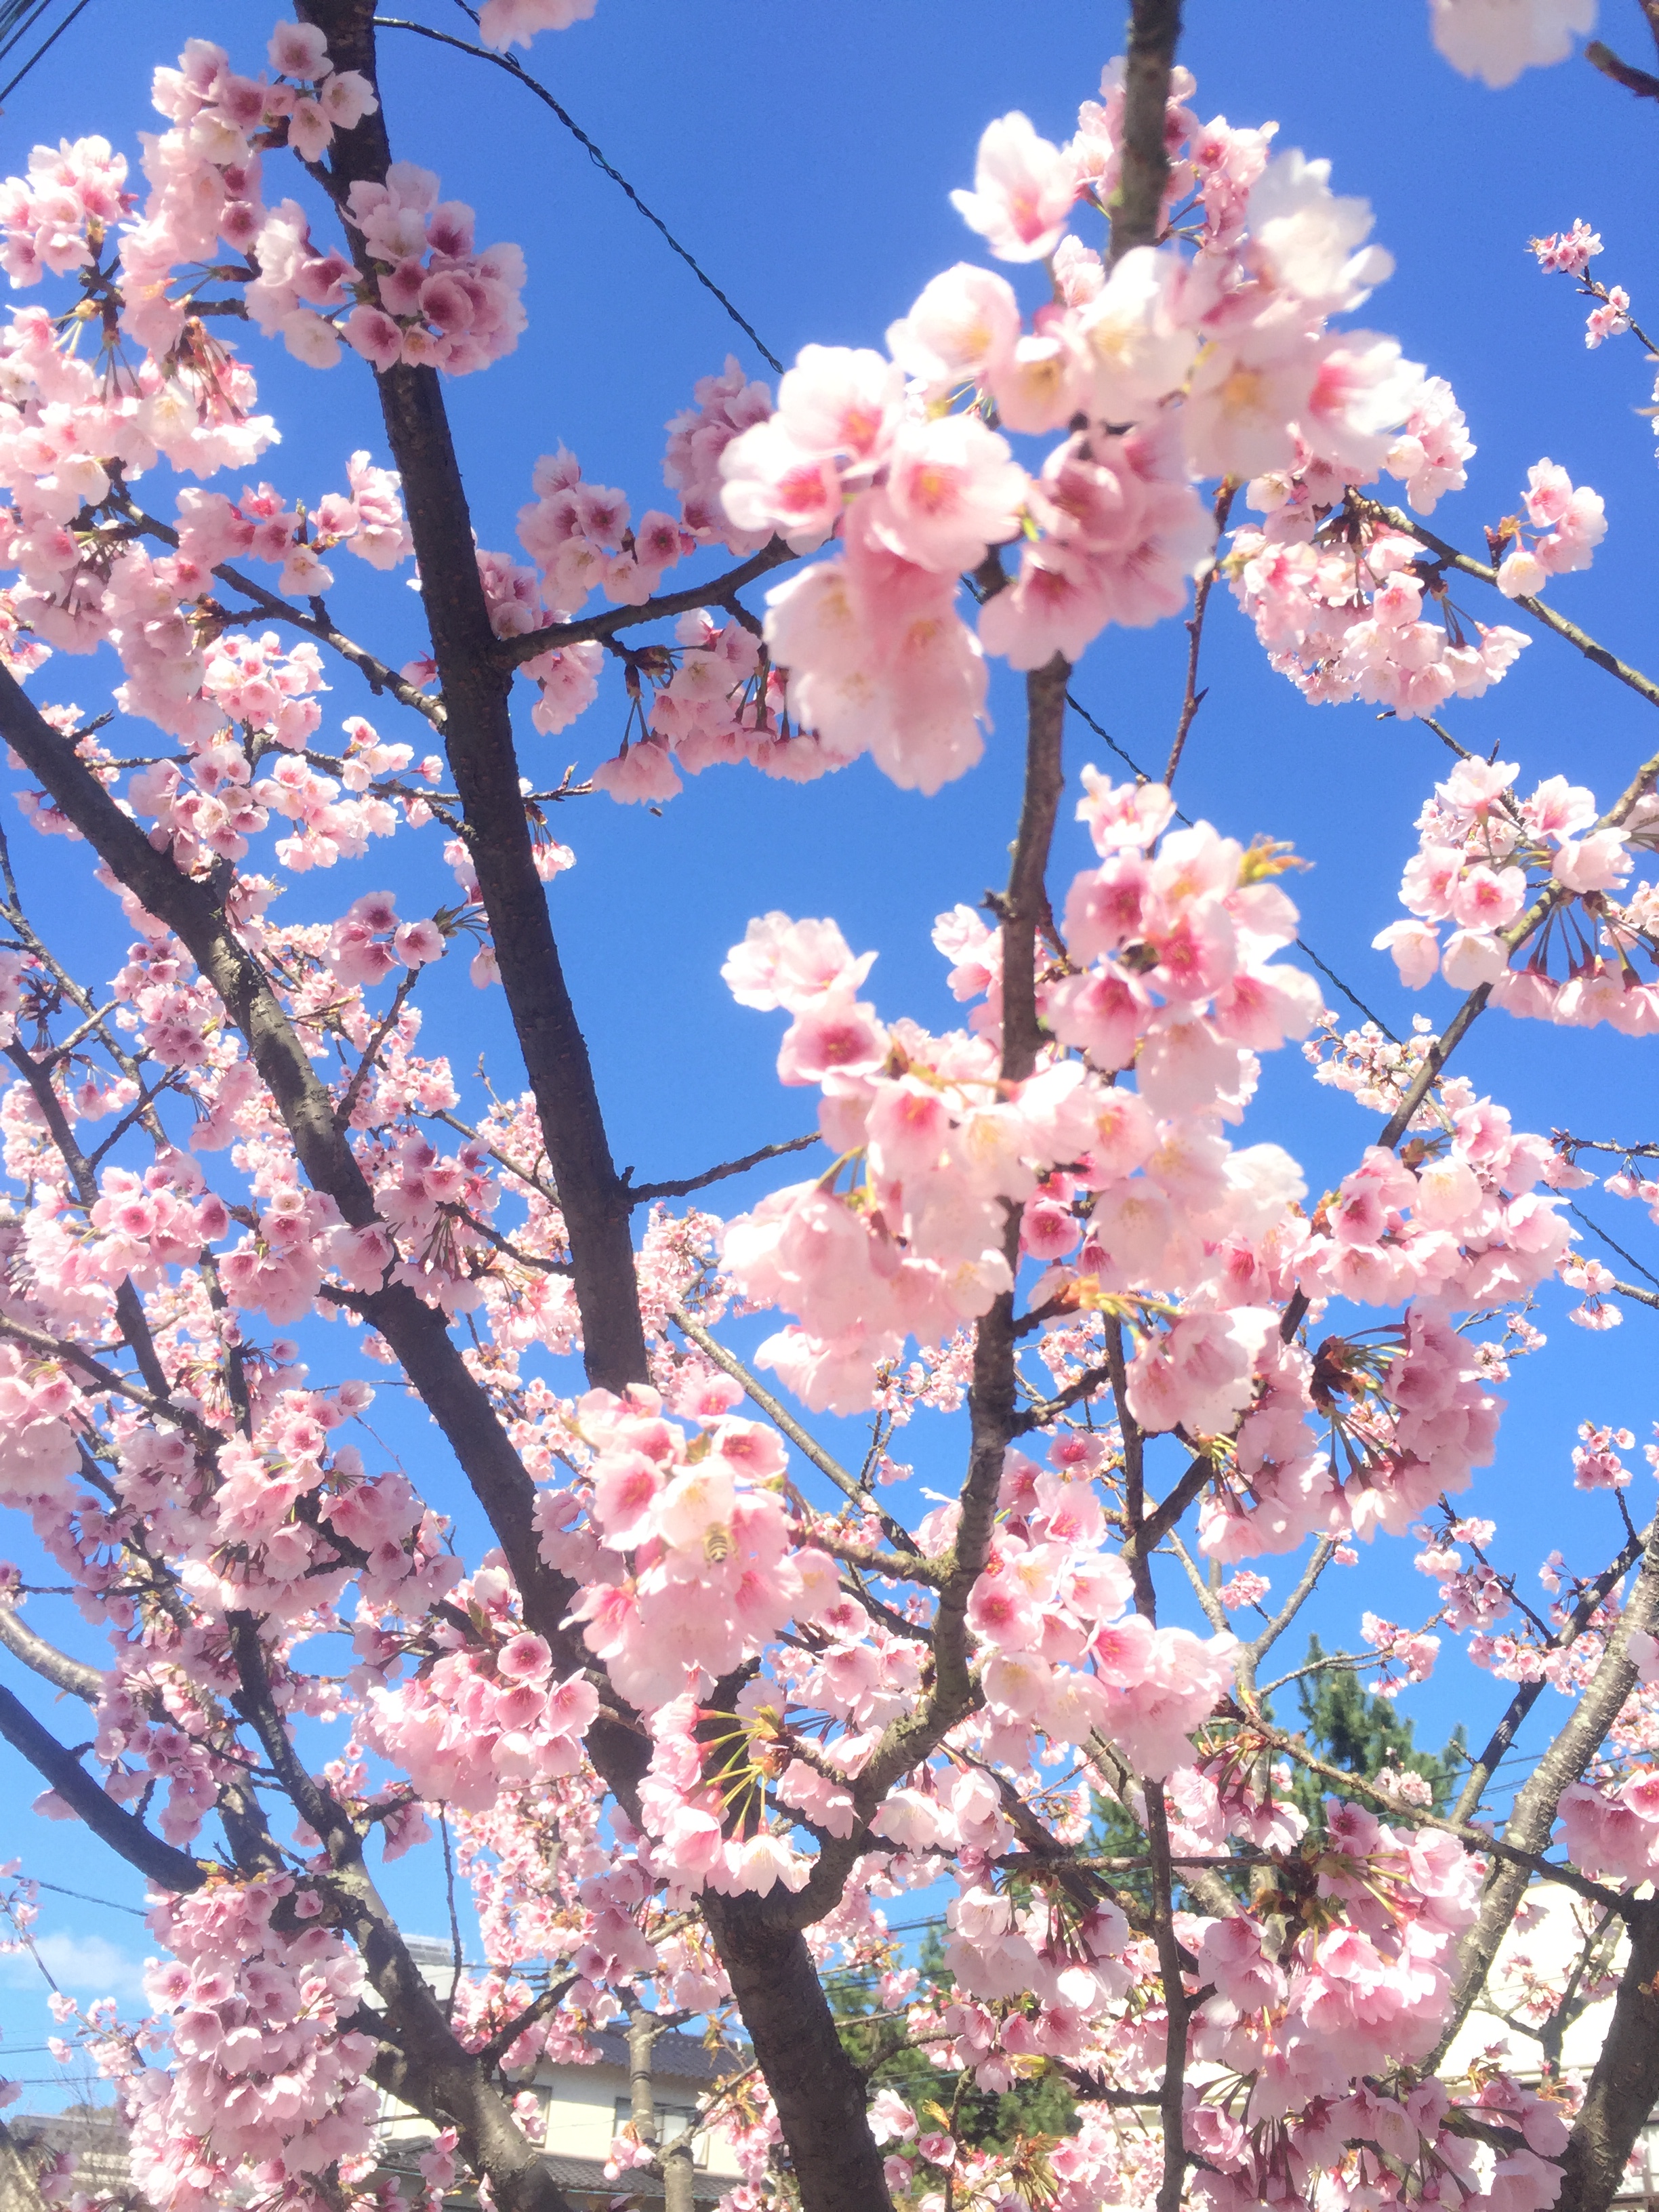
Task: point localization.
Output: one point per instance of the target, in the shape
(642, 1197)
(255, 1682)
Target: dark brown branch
(380, 677)
(1601, 56)
(890, 1566)
(1625, 2081)
(417, 1334)
(474, 673)
(1177, 2005)
(1137, 1548)
(73, 1676)
(1527, 1830)
(1410, 1816)
(505, 1244)
(103, 1378)
(1255, 1651)
(491, 2054)
(443, 2080)
(820, 2102)
(123, 1831)
(642, 1193)
(819, 2093)
(1469, 1796)
(128, 1309)
(383, 1029)
(991, 1404)
(716, 593)
(1441, 1050)
(1163, 1517)
(1566, 1142)
(1137, 207)
(1039, 1415)
(1598, 655)
(1023, 907)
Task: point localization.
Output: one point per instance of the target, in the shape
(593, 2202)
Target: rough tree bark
(476, 679)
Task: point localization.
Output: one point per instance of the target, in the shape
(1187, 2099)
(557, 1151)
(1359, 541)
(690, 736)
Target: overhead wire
(45, 47)
(82, 1896)
(534, 84)
(17, 18)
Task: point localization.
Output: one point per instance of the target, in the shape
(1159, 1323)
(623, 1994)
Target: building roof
(686, 2057)
(585, 2177)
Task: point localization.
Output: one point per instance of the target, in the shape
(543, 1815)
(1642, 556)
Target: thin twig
(387, 1022)
(1396, 519)
(642, 1193)
(378, 676)
(1193, 698)
(786, 1424)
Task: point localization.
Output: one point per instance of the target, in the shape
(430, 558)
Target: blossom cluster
(1178, 984)
(267, 2079)
(1337, 598)
(1571, 524)
(1218, 365)
(1492, 865)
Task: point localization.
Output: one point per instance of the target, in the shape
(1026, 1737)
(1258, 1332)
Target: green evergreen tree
(1353, 1728)
(1041, 2105)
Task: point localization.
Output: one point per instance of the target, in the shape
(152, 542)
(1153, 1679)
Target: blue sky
(805, 154)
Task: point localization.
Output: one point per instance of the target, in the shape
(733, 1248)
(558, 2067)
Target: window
(672, 2122)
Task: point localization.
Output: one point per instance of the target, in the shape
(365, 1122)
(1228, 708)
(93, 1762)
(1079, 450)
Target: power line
(1596, 1230)
(532, 84)
(110, 1904)
(6, 90)
(17, 19)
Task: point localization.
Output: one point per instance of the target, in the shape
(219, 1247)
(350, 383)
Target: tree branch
(1546, 616)
(475, 673)
(73, 1676)
(1137, 207)
(786, 1424)
(1193, 698)
(123, 1831)
(716, 593)
(1601, 56)
(1625, 2081)
(417, 1334)
(1469, 1796)
(442, 2079)
(642, 1193)
(380, 677)
(1527, 1830)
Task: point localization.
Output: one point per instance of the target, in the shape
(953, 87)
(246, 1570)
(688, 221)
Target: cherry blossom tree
(708, 1705)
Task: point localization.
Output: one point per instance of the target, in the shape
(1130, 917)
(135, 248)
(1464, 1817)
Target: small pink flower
(418, 943)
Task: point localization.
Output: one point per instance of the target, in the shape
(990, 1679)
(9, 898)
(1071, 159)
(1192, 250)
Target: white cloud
(86, 1965)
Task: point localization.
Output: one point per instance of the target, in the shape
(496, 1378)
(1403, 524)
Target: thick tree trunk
(819, 2092)
(1532, 1820)
(1625, 2086)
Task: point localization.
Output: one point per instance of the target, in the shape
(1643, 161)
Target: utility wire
(532, 84)
(1596, 1230)
(17, 18)
(6, 90)
(59, 1890)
